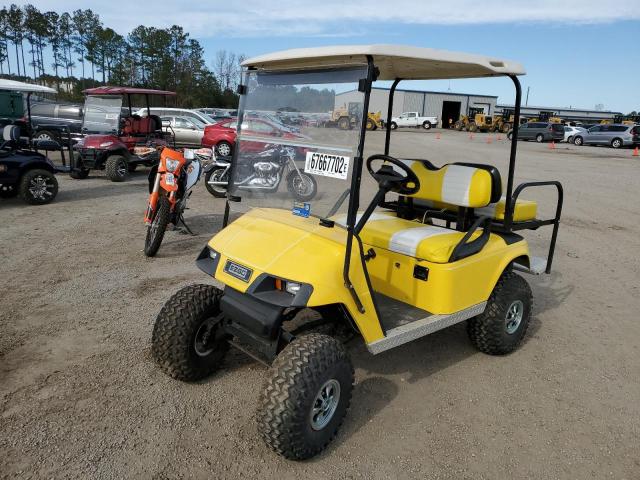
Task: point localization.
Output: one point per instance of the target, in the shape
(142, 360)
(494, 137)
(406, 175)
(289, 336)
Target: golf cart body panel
(298, 241)
(252, 239)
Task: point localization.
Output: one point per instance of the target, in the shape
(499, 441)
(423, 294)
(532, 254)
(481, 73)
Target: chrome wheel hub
(224, 150)
(325, 404)
(302, 185)
(122, 169)
(40, 188)
(514, 316)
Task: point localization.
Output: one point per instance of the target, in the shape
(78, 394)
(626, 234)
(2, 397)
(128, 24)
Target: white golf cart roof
(24, 87)
(394, 61)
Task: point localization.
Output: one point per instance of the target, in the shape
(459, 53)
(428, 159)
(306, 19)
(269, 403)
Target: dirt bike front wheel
(155, 231)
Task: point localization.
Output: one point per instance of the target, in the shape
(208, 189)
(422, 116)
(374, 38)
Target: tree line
(84, 53)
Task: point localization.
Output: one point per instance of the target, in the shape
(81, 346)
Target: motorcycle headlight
(171, 165)
(106, 144)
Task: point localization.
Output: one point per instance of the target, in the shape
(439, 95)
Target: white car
(570, 133)
(412, 119)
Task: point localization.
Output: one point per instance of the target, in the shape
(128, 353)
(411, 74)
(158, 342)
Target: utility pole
(526, 102)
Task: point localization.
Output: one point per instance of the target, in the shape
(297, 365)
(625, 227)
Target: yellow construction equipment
(466, 120)
(348, 116)
(374, 120)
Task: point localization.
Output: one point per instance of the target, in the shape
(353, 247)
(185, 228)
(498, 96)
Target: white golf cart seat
(444, 192)
(427, 242)
(10, 138)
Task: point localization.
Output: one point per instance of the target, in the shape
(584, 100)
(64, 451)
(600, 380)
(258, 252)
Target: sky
(577, 53)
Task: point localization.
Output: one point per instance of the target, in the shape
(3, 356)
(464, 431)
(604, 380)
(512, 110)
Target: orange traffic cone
(635, 152)
(499, 138)
(437, 136)
(552, 145)
(471, 136)
(489, 139)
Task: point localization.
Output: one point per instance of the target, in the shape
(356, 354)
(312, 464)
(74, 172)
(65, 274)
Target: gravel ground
(81, 398)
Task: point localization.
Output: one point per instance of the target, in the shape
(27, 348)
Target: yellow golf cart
(434, 245)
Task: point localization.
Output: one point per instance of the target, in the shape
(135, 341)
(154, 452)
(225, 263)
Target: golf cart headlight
(213, 254)
(293, 287)
(106, 144)
(171, 165)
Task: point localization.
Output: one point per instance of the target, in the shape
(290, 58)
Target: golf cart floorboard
(404, 323)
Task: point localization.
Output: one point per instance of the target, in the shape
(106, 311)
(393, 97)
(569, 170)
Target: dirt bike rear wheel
(155, 231)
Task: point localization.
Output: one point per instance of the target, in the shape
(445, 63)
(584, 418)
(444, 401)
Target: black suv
(50, 121)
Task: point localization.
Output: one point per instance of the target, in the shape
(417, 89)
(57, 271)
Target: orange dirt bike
(170, 185)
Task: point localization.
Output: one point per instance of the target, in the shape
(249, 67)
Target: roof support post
(356, 176)
(508, 217)
(387, 138)
(29, 125)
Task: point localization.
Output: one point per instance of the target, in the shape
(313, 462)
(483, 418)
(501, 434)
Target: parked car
(540, 132)
(177, 112)
(570, 132)
(222, 135)
(413, 119)
(186, 131)
(50, 121)
(615, 135)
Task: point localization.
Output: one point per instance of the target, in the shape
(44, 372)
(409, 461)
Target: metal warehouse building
(569, 114)
(444, 105)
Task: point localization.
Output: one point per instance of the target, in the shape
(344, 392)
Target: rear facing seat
(524, 210)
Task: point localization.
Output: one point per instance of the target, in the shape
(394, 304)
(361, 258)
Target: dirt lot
(81, 398)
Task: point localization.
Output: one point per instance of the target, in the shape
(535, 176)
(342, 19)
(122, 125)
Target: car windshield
(206, 117)
(102, 114)
(198, 123)
(305, 172)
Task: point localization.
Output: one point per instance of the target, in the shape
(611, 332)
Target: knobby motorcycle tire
(155, 236)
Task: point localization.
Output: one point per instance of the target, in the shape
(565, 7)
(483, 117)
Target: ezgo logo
(238, 271)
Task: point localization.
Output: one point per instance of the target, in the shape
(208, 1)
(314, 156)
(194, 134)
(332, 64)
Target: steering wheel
(389, 178)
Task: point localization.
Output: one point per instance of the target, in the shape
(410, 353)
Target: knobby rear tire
(488, 331)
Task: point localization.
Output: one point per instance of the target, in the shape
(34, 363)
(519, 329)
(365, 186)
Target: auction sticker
(327, 165)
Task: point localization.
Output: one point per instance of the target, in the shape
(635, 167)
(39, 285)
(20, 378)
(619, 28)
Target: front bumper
(257, 314)
(91, 157)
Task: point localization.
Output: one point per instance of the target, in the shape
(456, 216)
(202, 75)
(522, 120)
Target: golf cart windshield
(102, 114)
(307, 169)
